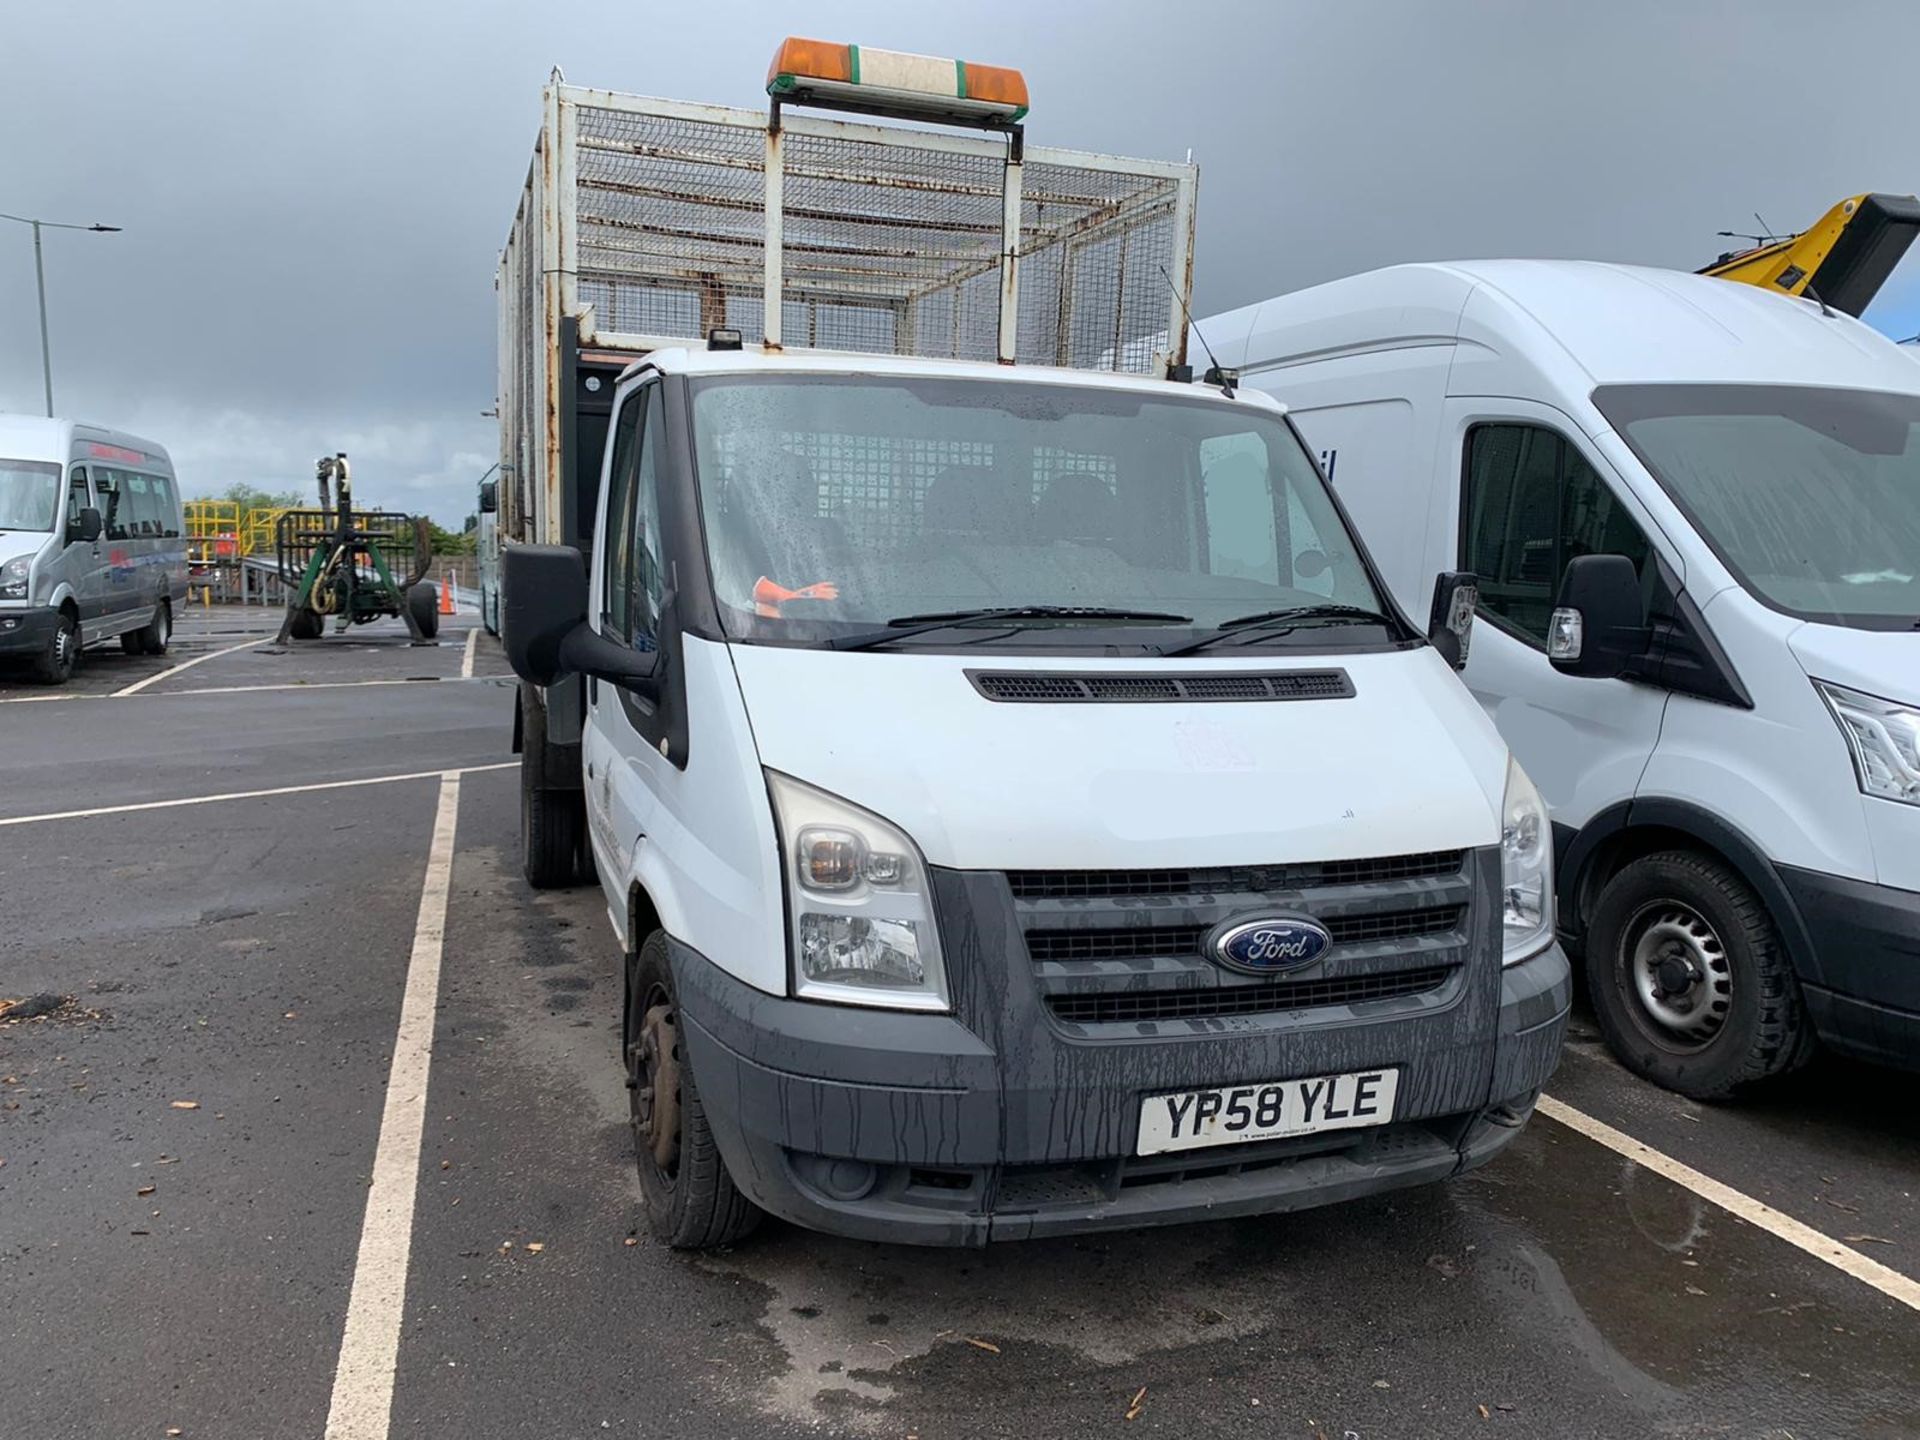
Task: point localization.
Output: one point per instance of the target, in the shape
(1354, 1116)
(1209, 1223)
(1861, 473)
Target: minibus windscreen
(29, 494)
(836, 504)
(1811, 496)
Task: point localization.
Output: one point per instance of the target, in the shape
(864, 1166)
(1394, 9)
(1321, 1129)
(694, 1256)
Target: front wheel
(54, 664)
(692, 1202)
(1691, 985)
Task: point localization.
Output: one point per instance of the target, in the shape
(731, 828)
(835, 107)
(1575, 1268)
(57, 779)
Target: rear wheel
(1690, 983)
(692, 1202)
(54, 664)
(423, 602)
(307, 625)
(153, 639)
(553, 822)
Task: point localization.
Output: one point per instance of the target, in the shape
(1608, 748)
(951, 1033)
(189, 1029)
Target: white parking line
(249, 794)
(139, 685)
(1887, 1281)
(466, 661)
(362, 1406)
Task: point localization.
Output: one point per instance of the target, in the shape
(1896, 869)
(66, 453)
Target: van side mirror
(87, 528)
(544, 629)
(1599, 624)
(489, 497)
(1450, 622)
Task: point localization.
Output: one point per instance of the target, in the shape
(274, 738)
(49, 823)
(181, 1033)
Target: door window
(76, 498)
(648, 576)
(616, 564)
(111, 502)
(1532, 503)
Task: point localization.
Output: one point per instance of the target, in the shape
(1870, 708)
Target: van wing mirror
(1599, 621)
(543, 623)
(87, 528)
(1450, 623)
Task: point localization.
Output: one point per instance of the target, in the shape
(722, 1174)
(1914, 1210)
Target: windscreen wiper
(1288, 617)
(902, 627)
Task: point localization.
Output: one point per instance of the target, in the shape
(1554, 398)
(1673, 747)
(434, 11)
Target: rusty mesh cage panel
(883, 238)
(670, 221)
(1097, 250)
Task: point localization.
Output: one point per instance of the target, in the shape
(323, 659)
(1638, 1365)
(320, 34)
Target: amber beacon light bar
(892, 82)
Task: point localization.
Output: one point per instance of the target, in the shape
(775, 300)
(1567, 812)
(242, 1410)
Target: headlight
(858, 903)
(1885, 739)
(13, 578)
(1526, 868)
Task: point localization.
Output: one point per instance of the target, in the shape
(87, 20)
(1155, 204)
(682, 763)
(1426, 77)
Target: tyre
(553, 823)
(307, 625)
(692, 1202)
(423, 603)
(130, 643)
(54, 664)
(153, 639)
(1691, 985)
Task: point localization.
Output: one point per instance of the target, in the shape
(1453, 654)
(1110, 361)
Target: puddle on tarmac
(1634, 1293)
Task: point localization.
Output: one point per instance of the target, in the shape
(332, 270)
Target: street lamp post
(40, 280)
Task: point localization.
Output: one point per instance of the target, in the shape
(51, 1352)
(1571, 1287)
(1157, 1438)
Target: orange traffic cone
(446, 595)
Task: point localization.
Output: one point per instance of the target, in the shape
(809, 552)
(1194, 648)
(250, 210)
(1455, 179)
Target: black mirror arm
(584, 651)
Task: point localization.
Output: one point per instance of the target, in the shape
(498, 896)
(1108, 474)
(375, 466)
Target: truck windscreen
(29, 494)
(835, 504)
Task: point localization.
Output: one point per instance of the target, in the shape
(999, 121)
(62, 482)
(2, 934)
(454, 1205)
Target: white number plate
(1280, 1108)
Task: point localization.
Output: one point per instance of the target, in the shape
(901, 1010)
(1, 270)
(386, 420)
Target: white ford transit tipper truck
(1693, 508)
(1022, 804)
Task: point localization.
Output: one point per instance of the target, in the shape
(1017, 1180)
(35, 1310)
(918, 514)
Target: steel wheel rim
(654, 1079)
(1679, 975)
(63, 645)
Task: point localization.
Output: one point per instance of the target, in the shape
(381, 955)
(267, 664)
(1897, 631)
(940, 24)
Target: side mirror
(1599, 622)
(87, 529)
(543, 623)
(1450, 622)
(489, 497)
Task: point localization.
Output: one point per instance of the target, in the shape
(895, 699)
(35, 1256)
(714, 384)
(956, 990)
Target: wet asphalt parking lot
(189, 1143)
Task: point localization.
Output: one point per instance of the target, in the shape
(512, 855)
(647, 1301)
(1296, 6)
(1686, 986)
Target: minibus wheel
(54, 665)
(692, 1203)
(151, 638)
(1691, 985)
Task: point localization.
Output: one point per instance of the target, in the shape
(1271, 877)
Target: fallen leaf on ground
(629, 1241)
(1695, 1290)
(145, 1190)
(1868, 1240)
(983, 1345)
(1485, 1414)
(1134, 1405)
(173, 1430)
(535, 1246)
(186, 1104)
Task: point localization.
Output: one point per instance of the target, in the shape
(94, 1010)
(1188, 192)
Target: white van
(1694, 511)
(1025, 809)
(92, 545)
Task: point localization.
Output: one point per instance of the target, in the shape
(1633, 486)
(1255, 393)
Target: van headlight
(1526, 869)
(1884, 737)
(14, 576)
(858, 904)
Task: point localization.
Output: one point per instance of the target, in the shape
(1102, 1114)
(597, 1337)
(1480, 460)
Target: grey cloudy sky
(314, 196)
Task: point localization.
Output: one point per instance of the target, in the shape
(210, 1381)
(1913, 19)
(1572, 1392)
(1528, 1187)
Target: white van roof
(1618, 324)
(36, 437)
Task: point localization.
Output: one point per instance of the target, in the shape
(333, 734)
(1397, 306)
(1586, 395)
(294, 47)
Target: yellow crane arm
(1844, 258)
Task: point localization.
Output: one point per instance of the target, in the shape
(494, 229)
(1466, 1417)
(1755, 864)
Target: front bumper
(926, 1130)
(26, 632)
(1867, 936)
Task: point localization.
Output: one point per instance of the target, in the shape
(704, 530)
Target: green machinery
(344, 564)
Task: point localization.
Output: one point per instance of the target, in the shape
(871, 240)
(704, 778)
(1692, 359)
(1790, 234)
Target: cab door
(1533, 495)
(82, 562)
(627, 773)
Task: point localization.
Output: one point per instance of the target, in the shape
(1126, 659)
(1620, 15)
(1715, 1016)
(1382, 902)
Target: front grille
(1119, 884)
(1072, 687)
(1141, 943)
(1127, 1006)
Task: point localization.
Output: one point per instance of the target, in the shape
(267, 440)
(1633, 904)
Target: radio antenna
(1215, 375)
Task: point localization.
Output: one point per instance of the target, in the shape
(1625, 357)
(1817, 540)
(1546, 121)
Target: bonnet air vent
(1053, 687)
